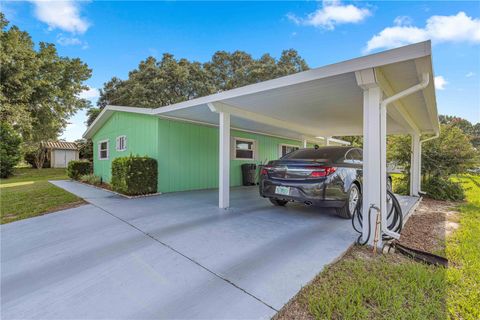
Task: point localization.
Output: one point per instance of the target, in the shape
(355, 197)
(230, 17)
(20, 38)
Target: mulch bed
(429, 225)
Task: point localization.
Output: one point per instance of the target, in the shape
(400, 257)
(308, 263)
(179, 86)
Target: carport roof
(325, 101)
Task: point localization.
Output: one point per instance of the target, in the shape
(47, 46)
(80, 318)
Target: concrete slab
(168, 256)
(83, 263)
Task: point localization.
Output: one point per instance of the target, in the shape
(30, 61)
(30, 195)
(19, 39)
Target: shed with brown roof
(61, 153)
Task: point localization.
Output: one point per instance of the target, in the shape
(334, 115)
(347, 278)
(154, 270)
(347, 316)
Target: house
(60, 153)
(186, 152)
(201, 143)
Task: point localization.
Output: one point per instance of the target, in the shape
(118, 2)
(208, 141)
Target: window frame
(234, 148)
(353, 161)
(281, 145)
(99, 150)
(117, 140)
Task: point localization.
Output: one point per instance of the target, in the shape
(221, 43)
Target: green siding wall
(142, 139)
(187, 153)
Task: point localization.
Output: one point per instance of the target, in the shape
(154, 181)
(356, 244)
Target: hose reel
(394, 219)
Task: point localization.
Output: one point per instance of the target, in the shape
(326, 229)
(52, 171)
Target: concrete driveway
(168, 256)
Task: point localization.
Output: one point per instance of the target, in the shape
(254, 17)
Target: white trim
(234, 148)
(415, 165)
(224, 161)
(108, 149)
(281, 145)
(117, 140)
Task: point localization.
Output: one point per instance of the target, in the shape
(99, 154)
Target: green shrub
(29, 158)
(134, 175)
(440, 188)
(400, 183)
(77, 168)
(9, 149)
(91, 179)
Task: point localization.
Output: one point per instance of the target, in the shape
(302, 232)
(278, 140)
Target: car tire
(389, 184)
(353, 196)
(278, 202)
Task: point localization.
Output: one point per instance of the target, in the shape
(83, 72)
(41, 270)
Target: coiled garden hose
(395, 216)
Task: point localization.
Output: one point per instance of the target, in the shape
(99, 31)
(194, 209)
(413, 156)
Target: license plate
(282, 190)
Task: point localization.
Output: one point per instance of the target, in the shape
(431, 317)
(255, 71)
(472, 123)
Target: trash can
(249, 171)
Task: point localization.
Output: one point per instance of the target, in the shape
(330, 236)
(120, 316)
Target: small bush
(9, 149)
(91, 179)
(134, 175)
(76, 168)
(400, 184)
(440, 188)
(29, 158)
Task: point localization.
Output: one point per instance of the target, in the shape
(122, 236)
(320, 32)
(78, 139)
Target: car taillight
(264, 171)
(322, 172)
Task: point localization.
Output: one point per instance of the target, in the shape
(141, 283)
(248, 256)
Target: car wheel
(347, 210)
(278, 202)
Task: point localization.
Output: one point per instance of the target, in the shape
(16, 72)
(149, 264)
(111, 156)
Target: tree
(85, 149)
(92, 114)
(159, 83)
(451, 153)
(9, 149)
(472, 131)
(39, 89)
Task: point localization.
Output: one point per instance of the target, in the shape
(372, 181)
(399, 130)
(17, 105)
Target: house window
(103, 150)
(121, 143)
(286, 149)
(244, 149)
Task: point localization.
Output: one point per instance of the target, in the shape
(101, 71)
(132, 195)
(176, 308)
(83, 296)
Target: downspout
(383, 106)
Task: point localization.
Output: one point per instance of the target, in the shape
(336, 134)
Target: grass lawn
(363, 286)
(28, 194)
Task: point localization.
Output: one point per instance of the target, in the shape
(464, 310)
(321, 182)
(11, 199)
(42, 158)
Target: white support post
(327, 141)
(224, 161)
(415, 165)
(374, 164)
(304, 142)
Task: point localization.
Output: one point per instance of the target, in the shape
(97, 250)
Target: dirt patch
(428, 227)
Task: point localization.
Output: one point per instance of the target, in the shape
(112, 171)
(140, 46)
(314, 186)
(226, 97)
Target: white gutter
(383, 106)
(431, 138)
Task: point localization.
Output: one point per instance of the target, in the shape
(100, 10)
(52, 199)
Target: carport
(390, 92)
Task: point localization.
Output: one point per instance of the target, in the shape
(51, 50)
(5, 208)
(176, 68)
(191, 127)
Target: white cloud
(440, 82)
(470, 74)
(63, 15)
(402, 21)
(89, 94)
(455, 28)
(68, 41)
(71, 41)
(331, 14)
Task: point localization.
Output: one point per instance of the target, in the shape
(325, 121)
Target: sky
(112, 37)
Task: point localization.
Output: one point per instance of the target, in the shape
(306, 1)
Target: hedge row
(134, 175)
(78, 168)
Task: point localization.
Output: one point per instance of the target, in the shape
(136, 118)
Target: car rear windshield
(332, 154)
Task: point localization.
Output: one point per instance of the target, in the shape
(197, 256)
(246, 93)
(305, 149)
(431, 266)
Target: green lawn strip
(29, 194)
(378, 288)
(463, 250)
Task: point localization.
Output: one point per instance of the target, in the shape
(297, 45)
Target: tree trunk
(40, 158)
